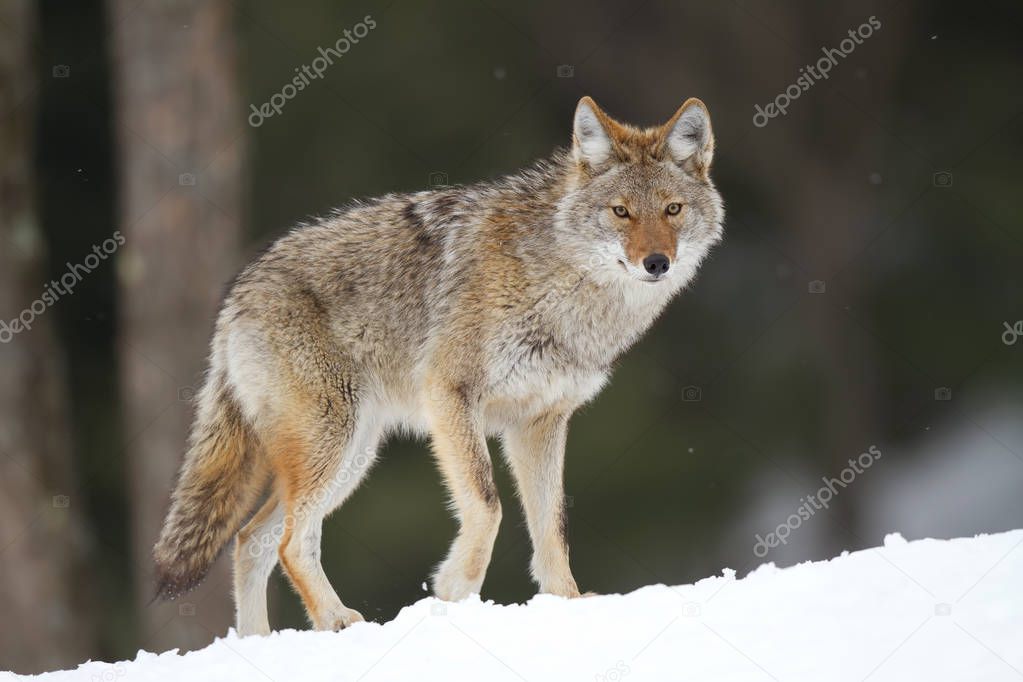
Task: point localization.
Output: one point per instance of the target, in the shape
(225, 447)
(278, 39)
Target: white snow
(923, 610)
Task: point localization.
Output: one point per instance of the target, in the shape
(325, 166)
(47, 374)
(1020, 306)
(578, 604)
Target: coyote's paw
(451, 583)
(339, 619)
(574, 594)
(562, 587)
(454, 588)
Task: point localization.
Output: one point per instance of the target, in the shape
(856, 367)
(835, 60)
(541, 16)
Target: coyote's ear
(591, 140)
(689, 139)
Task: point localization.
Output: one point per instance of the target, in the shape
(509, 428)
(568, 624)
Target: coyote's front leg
(461, 450)
(536, 451)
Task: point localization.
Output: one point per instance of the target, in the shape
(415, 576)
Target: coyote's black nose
(656, 264)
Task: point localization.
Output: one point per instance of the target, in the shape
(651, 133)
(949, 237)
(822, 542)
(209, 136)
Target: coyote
(460, 312)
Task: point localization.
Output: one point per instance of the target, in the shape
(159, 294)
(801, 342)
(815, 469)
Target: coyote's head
(643, 198)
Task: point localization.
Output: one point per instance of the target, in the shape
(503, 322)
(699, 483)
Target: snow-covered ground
(924, 610)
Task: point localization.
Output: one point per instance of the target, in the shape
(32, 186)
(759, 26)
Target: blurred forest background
(871, 263)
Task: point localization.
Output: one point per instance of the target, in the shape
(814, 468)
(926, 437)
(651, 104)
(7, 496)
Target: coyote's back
(492, 309)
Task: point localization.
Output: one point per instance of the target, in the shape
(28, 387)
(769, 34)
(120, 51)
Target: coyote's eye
(620, 211)
(673, 208)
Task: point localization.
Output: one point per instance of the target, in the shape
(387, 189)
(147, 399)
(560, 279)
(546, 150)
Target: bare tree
(42, 542)
(180, 133)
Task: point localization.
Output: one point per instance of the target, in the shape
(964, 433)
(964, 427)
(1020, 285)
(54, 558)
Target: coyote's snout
(494, 309)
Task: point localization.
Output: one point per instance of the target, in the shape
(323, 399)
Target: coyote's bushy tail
(220, 479)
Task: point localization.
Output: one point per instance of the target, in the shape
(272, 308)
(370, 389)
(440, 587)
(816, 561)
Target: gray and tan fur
(495, 309)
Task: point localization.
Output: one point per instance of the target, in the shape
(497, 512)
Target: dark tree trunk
(45, 624)
(181, 132)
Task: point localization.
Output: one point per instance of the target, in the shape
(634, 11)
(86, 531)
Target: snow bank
(925, 610)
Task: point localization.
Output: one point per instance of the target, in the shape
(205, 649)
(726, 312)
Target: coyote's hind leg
(255, 555)
(314, 476)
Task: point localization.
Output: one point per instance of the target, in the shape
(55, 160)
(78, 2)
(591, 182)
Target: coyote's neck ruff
(493, 309)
